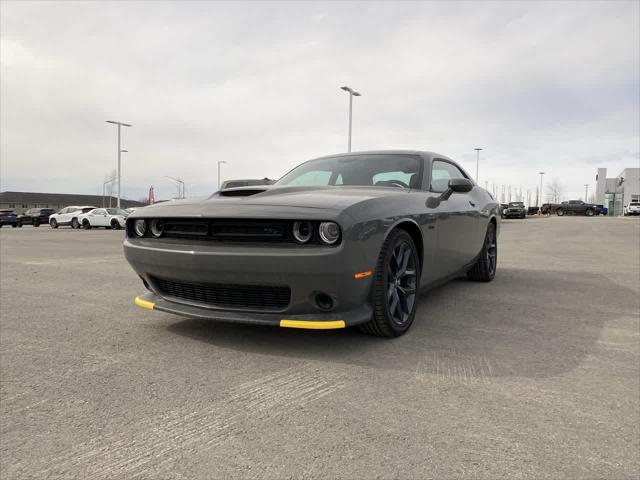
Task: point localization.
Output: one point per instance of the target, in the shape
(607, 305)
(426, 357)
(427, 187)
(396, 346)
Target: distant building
(22, 201)
(618, 191)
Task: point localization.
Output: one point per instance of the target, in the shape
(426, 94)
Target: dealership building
(616, 192)
(19, 202)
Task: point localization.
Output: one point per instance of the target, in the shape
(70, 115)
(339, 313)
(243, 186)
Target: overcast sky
(539, 86)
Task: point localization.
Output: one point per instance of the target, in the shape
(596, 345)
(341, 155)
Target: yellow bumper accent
(312, 325)
(144, 303)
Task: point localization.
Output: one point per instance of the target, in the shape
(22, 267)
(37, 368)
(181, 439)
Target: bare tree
(554, 191)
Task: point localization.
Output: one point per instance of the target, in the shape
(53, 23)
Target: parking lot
(533, 375)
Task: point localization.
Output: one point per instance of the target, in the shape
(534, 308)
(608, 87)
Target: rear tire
(14, 225)
(560, 212)
(115, 225)
(36, 223)
(485, 268)
(395, 288)
(589, 212)
(53, 223)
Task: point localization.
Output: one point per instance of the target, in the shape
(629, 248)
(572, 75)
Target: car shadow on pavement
(525, 323)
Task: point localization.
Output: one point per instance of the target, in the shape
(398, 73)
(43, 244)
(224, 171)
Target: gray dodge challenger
(342, 240)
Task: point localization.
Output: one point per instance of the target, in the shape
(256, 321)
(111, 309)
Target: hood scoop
(241, 192)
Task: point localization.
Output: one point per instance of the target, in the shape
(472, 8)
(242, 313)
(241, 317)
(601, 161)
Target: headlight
(157, 227)
(329, 232)
(140, 227)
(302, 231)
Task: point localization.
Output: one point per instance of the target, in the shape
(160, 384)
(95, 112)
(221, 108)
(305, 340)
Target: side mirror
(455, 185)
(460, 185)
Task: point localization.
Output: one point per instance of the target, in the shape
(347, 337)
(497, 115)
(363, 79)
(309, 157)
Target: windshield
(116, 211)
(635, 204)
(378, 170)
(516, 204)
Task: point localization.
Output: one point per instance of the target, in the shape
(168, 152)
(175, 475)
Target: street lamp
(120, 151)
(477, 162)
(352, 93)
(541, 175)
(219, 163)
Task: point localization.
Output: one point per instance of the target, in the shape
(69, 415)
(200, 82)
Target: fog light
(157, 227)
(329, 232)
(324, 301)
(140, 227)
(302, 231)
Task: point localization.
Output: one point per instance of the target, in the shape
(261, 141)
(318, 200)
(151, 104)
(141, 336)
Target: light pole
(219, 163)
(541, 175)
(477, 162)
(586, 191)
(352, 93)
(120, 151)
(180, 185)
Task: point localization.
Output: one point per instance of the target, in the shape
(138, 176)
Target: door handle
(471, 203)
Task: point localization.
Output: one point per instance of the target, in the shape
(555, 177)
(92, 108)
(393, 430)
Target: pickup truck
(576, 207)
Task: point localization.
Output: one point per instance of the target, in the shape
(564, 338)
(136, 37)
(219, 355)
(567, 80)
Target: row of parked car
(74, 216)
(571, 207)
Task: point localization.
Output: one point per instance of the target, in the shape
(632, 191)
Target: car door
(457, 220)
(98, 218)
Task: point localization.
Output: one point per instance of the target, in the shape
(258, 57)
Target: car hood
(263, 198)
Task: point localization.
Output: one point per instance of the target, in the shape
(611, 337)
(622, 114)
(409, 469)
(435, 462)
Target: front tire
(115, 225)
(86, 225)
(53, 223)
(590, 212)
(75, 223)
(36, 223)
(395, 288)
(560, 212)
(485, 268)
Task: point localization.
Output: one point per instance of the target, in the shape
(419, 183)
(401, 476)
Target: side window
(99, 212)
(441, 173)
(320, 178)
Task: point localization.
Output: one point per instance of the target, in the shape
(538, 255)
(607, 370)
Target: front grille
(229, 230)
(260, 297)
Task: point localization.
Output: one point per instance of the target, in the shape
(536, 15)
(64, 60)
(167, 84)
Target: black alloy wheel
(401, 282)
(395, 289)
(86, 225)
(115, 225)
(486, 266)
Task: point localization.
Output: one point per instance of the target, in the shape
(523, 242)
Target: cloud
(540, 86)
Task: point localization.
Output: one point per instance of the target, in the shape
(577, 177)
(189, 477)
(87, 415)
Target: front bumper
(323, 321)
(307, 271)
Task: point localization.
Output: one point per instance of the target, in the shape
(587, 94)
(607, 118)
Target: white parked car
(103, 217)
(632, 208)
(68, 216)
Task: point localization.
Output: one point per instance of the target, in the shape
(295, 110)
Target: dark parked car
(342, 240)
(8, 217)
(576, 207)
(35, 216)
(532, 210)
(515, 210)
